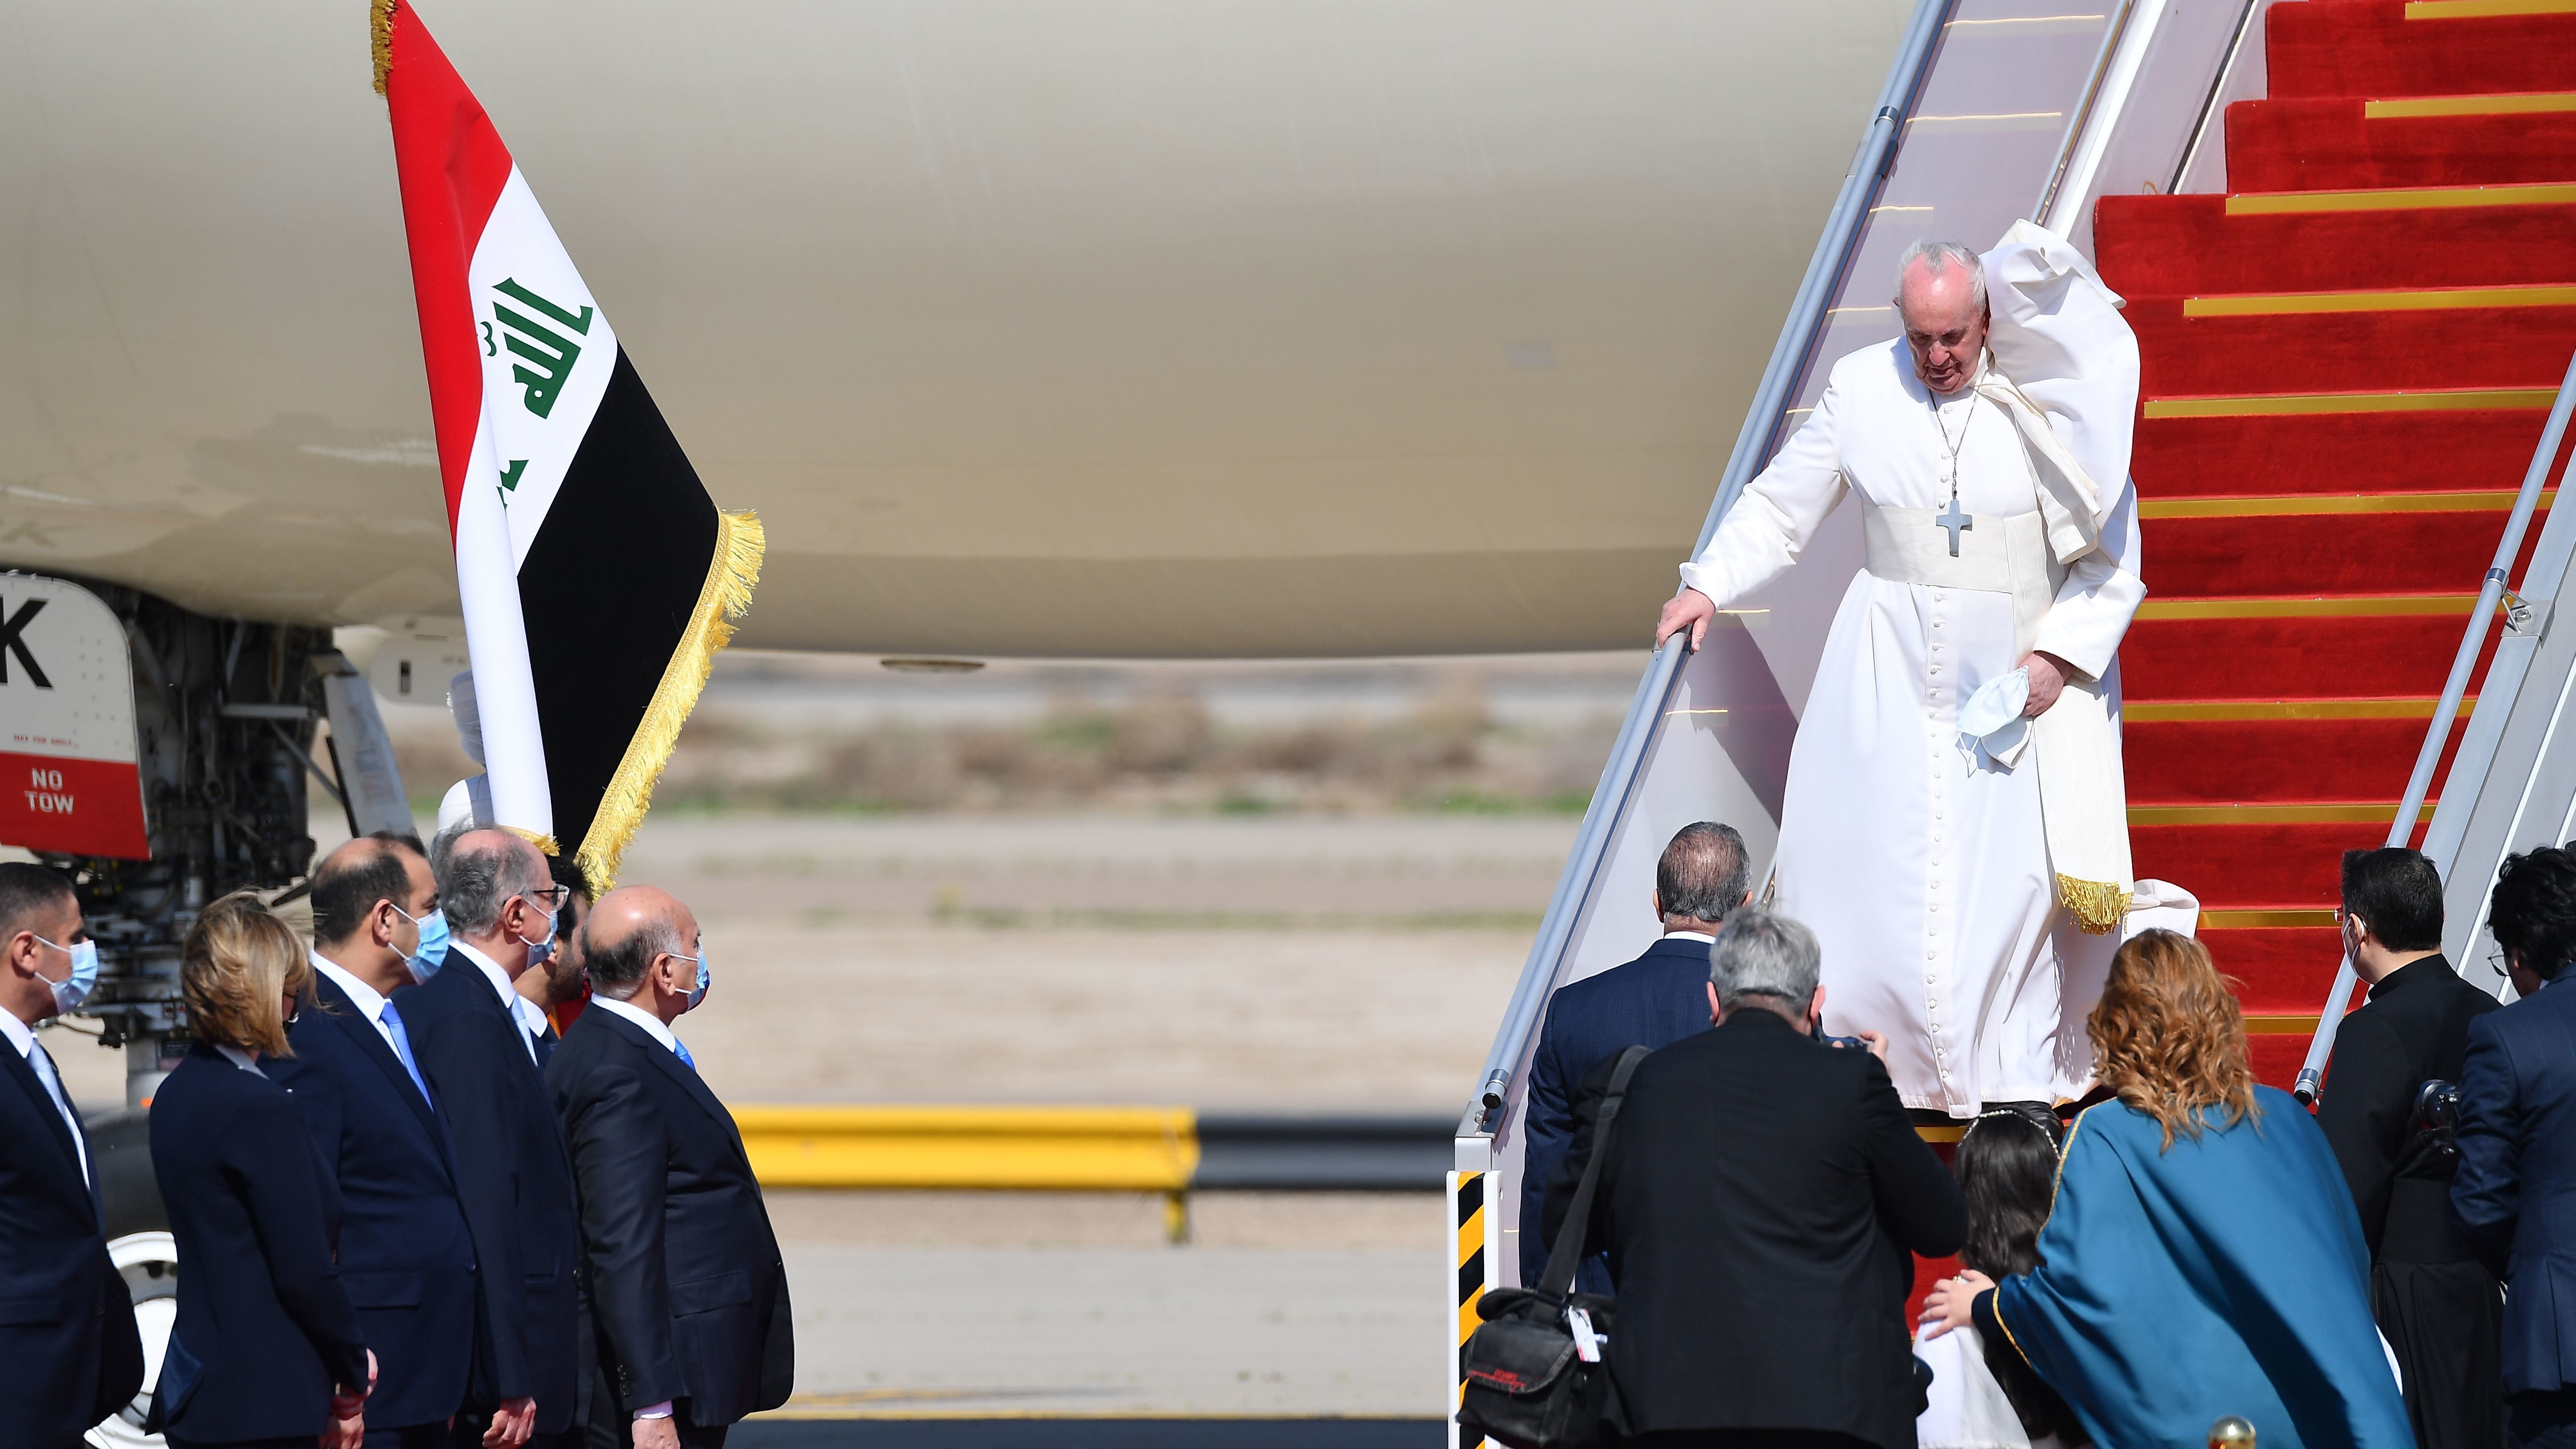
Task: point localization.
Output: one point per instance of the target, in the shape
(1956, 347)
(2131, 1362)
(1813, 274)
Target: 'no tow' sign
(68, 783)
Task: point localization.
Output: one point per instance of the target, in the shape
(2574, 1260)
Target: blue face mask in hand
(432, 954)
(71, 992)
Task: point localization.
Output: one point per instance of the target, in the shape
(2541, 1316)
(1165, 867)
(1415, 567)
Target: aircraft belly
(1290, 327)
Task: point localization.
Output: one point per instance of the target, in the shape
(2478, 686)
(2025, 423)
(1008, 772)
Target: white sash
(2083, 798)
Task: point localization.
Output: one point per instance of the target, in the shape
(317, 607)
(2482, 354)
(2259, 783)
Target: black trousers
(407, 1436)
(1745, 1439)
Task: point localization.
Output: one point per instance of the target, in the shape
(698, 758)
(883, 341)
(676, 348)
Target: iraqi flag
(598, 577)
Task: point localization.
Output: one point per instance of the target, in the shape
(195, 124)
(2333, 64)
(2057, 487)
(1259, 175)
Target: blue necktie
(402, 1050)
(682, 1048)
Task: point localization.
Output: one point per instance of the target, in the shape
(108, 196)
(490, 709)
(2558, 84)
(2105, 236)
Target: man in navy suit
(1653, 1001)
(69, 1354)
(406, 1256)
(475, 1039)
(2515, 1195)
(686, 1285)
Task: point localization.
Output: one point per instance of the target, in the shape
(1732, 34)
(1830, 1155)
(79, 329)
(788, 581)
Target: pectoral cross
(1954, 520)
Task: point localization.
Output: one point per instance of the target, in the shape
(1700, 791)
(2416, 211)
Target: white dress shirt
(1703, 937)
(653, 1026)
(23, 1038)
(369, 1001)
(519, 1007)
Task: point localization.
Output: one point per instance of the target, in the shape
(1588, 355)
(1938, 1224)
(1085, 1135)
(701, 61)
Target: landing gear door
(68, 782)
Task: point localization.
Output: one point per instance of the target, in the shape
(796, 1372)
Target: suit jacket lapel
(677, 1070)
(24, 1073)
(345, 1014)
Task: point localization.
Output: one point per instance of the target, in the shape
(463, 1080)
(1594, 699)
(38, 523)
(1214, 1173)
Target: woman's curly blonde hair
(2168, 1036)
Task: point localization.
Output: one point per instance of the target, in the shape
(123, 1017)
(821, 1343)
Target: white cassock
(1928, 880)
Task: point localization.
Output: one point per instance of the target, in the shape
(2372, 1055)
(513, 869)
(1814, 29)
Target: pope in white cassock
(1968, 887)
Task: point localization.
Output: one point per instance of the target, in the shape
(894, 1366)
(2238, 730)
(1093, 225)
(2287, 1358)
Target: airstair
(2346, 232)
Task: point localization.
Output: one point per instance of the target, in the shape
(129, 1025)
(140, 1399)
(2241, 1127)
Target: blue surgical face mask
(424, 962)
(541, 952)
(698, 992)
(70, 993)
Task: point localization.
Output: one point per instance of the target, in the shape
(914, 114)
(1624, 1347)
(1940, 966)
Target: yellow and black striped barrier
(1467, 1213)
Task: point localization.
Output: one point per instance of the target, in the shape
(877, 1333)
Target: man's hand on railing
(1689, 608)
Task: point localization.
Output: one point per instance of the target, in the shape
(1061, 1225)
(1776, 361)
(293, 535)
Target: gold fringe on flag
(731, 576)
(380, 28)
(2097, 905)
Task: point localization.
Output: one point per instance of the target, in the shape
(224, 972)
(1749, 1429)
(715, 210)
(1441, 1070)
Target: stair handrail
(1870, 164)
(2437, 736)
(2112, 34)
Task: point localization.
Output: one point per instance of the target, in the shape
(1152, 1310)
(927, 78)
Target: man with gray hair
(470, 1035)
(1760, 1200)
(1652, 1001)
(1955, 820)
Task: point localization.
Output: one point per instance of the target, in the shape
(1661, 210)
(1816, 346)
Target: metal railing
(1790, 358)
(2491, 592)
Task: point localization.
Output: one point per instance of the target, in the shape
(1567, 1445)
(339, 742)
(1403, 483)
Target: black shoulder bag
(1534, 1380)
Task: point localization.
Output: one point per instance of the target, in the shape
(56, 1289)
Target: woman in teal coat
(2202, 1257)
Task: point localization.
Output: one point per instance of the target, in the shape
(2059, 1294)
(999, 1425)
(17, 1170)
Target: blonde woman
(2202, 1256)
(266, 1349)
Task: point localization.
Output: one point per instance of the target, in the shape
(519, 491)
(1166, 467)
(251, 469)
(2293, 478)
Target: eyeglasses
(550, 897)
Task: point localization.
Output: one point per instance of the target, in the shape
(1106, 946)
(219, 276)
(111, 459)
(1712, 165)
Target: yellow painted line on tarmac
(2291, 919)
(2519, 103)
(2485, 9)
(2335, 607)
(2364, 813)
(2197, 711)
(2409, 198)
(2428, 299)
(2300, 404)
(2309, 505)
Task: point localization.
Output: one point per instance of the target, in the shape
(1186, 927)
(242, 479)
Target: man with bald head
(687, 1290)
(1954, 825)
(475, 1038)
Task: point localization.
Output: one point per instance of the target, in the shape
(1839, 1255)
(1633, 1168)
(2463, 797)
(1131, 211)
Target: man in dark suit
(405, 1253)
(685, 1279)
(1653, 1001)
(2435, 1302)
(2515, 1195)
(471, 1035)
(69, 1353)
(1760, 1196)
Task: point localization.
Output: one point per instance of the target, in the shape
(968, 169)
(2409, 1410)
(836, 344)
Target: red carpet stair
(2347, 363)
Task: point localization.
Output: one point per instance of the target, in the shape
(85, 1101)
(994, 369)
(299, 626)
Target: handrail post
(2419, 783)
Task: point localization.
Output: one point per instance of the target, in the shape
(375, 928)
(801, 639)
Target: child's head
(2007, 1166)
